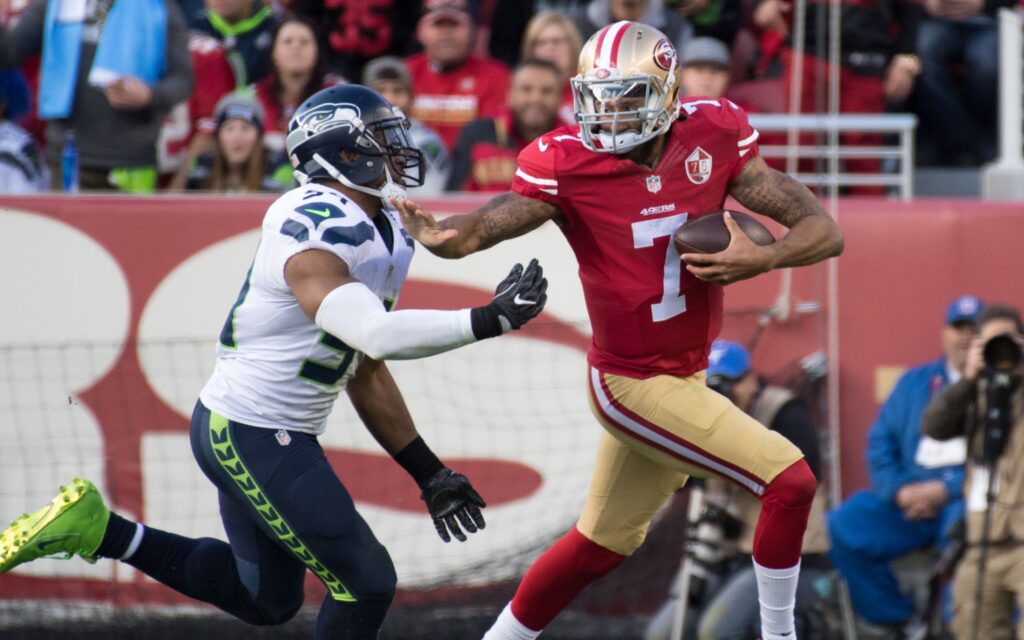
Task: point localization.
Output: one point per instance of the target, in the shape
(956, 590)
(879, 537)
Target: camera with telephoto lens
(1002, 353)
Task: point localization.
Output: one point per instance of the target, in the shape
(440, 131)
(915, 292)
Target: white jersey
(275, 367)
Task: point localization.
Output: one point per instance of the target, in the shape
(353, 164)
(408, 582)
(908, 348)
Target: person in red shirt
(188, 130)
(619, 185)
(452, 86)
(484, 158)
(553, 36)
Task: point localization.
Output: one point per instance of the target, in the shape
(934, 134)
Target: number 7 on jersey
(644, 232)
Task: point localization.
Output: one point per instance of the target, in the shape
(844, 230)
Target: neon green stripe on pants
(227, 455)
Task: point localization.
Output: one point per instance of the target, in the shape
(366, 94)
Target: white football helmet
(627, 87)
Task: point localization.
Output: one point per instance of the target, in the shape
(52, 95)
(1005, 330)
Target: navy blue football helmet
(353, 135)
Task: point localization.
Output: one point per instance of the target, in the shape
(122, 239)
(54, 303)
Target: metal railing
(901, 125)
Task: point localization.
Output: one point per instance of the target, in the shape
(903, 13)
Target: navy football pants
(284, 511)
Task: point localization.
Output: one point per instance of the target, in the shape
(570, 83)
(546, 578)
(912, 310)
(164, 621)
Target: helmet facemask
(389, 139)
(622, 113)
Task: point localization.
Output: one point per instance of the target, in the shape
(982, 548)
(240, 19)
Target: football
(708, 233)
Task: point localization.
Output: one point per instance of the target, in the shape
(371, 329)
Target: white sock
(506, 627)
(776, 592)
(136, 541)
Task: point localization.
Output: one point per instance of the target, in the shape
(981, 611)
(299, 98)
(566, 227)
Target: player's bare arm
(813, 236)
(504, 217)
(312, 275)
(452, 502)
(380, 406)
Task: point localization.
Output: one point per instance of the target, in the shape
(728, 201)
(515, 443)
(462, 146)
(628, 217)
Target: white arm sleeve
(354, 315)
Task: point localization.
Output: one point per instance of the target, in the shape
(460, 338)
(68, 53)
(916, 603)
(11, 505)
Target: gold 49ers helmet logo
(664, 54)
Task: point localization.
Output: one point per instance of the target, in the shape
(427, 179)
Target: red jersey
(649, 315)
(448, 100)
(214, 78)
(487, 154)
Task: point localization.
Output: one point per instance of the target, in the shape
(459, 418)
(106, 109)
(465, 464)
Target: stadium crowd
(479, 79)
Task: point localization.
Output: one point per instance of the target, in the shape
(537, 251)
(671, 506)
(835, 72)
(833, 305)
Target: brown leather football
(708, 233)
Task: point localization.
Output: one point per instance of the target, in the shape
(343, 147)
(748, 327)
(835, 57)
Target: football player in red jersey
(619, 184)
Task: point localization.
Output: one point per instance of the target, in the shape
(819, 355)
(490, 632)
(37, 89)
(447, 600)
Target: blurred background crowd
(172, 95)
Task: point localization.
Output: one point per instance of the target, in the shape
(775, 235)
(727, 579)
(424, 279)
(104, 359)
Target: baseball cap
(964, 309)
(706, 50)
(240, 106)
(458, 10)
(728, 360)
(386, 68)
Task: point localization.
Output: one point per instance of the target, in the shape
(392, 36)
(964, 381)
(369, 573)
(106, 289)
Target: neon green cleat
(72, 524)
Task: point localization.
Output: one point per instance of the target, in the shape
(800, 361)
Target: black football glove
(451, 501)
(520, 296)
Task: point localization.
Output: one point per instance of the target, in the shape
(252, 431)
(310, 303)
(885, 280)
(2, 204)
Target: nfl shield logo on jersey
(698, 166)
(654, 184)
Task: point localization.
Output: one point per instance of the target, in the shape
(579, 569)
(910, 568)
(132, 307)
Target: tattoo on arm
(813, 235)
(776, 195)
(503, 217)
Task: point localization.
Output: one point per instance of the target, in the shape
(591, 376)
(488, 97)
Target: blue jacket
(893, 439)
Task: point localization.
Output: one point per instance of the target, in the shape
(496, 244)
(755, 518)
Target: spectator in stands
(389, 77)
(705, 68)
(598, 13)
(353, 32)
(20, 169)
(718, 19)
(958, 111)
(485, 157)
(238, 162)
(916, 481)
(188, 131)
(109, 74)
(297, 72)
(552, 36)
(878, 65)
(245, 28)
(453, 87)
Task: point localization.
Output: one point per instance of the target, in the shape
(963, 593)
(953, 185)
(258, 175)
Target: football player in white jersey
(313, 318)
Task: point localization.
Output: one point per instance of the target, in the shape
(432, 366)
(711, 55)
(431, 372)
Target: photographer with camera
(722, 586)
(987, 405)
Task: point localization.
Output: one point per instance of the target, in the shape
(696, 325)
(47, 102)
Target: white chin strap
(619, 142)
(390, 189)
